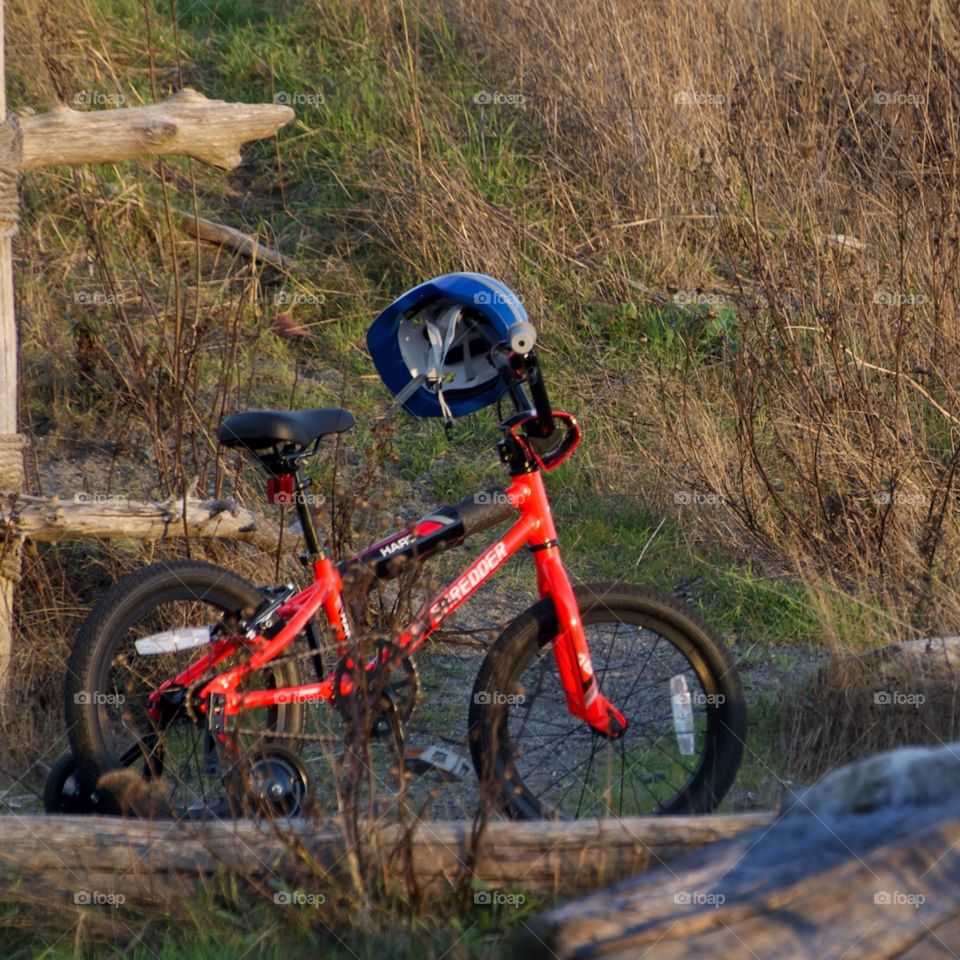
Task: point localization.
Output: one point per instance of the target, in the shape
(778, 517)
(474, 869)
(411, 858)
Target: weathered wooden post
(11, 443)
(189, 124)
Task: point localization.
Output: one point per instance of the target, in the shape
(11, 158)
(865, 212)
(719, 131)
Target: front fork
(580, 686)
(584, 699)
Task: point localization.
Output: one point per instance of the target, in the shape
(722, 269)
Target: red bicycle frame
(534, 529)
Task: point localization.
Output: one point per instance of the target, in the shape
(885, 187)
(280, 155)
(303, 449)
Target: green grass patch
(267, 932)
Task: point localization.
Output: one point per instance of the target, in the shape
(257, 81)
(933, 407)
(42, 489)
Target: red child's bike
(598, 700)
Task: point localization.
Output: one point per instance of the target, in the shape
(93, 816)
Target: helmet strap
(402, 396)
(440, 344)
(447, 413)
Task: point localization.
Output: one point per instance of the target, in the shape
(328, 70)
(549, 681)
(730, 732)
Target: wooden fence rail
(54, 519)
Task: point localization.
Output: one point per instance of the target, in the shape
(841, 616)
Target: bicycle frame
(534, 528)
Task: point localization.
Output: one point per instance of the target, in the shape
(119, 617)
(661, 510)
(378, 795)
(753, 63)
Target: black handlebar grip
(485, 509)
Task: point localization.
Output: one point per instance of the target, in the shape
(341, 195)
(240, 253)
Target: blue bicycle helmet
(432, 346)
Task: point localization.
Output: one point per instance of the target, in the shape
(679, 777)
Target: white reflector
(682, 715)
(172, 641)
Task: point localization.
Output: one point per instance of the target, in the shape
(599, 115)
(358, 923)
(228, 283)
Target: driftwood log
(149, 861)
(188, 123)
(52, 519)
(865, 864)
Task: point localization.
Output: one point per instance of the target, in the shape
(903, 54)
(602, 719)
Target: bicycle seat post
(314, 549)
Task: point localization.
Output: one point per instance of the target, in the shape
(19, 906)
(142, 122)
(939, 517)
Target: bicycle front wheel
(659, 664)
(109, 682)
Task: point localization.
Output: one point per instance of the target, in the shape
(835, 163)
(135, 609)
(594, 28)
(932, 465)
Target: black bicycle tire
(55, 801)
(536, 627)
(115, 611)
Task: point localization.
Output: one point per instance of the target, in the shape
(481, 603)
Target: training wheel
(63, 791)
(271, 783)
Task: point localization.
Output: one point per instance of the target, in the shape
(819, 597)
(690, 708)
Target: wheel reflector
(172, 641)
(682, 714)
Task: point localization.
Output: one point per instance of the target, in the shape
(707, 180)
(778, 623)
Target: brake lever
(554, 456)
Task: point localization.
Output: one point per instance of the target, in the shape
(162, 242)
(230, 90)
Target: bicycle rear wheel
(659, 664)
(109, 682)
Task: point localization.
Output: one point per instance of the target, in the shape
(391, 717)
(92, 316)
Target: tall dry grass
(795, 161)
(136, 340)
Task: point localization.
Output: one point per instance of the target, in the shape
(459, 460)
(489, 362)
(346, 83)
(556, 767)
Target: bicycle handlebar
(518, 362)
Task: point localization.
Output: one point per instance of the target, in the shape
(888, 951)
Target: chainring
(392, 685)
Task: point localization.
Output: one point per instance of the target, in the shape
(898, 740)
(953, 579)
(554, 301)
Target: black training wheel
(63, 792)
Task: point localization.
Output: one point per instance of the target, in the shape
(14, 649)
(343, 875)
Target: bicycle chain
(204, 680)
(312, 737)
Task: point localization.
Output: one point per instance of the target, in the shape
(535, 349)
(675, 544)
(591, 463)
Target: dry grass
(739, 143)
(785, 174)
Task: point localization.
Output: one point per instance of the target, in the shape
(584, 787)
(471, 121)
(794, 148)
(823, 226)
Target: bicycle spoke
(570, 767)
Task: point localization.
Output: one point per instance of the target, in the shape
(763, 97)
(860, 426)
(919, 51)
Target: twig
(865, 364)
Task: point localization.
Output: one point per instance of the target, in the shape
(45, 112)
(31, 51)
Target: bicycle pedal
(217, 715)
(443, 761)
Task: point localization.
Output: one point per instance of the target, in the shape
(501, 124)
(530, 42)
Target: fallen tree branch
(224, 236)
(909, 381)
(878, 885)
(187, 123)
(152, 863)
(886, 371)
(87, 515)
